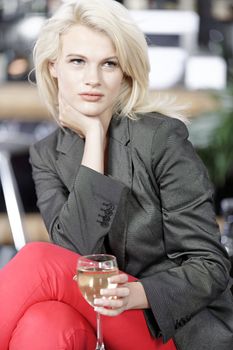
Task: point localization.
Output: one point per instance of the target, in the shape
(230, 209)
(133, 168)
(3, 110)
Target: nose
(92, 77)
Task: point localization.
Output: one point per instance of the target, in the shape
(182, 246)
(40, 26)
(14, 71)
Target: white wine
(92, 279)
(93, 274)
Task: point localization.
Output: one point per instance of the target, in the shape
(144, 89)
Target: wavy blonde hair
(113, 19)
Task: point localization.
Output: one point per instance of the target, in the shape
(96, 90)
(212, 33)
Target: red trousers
(41, 307)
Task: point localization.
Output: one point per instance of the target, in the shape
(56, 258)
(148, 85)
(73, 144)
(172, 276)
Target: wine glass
(93, 273)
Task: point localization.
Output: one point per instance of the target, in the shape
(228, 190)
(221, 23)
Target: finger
(120, 278)
(108, 312)
(115, 292)
(110, 303)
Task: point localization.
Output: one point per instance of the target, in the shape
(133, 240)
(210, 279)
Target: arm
(71, 215)
(191, 236)
(59, 207)
(92, 129)
(78, 217)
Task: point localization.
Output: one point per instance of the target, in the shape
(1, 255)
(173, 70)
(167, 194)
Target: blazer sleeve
(191, 235)
(81, 218)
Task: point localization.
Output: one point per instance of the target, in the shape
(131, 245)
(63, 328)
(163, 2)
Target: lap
(45, 272)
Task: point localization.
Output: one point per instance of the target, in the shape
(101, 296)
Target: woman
(117, 177)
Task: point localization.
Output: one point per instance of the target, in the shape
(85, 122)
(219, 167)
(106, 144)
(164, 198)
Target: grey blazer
(153, 210)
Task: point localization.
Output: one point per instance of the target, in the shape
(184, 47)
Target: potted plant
(212, 135)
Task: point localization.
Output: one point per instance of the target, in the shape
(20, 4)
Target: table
(20, 101)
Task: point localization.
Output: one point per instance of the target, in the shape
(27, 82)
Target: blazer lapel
(70, 147)
(120, 168)
(119, 157)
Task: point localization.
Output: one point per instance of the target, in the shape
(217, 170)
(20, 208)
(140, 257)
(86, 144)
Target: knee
(36, 251)
(35, 248)
(52, 325)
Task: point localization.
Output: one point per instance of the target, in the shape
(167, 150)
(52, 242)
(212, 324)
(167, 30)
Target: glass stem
(100, 343)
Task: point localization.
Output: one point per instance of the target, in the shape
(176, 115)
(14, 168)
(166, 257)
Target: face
(88, 73)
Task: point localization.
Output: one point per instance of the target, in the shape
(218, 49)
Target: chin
(92, 112)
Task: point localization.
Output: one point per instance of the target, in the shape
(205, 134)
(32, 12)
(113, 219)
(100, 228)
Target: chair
(15, 138)
(178, 33)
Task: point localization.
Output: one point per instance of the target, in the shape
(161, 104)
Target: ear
(53, 69)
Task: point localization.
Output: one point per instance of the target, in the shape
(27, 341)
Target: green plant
(212, 135)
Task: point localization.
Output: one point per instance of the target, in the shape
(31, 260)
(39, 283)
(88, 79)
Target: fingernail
(97, 309)
(98, 302)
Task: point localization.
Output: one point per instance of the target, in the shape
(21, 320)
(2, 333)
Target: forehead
(83, 40)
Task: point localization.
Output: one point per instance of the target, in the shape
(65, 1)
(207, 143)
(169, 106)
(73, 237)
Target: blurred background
(191, 54)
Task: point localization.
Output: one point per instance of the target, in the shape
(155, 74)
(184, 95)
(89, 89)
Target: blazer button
(109, 206)
(104, 223)
(108, 211)
(106, 218)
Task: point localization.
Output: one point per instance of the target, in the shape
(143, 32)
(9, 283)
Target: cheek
(65, 83)
(116, 85)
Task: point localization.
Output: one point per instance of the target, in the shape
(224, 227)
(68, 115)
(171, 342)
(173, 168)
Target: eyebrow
(82, 56)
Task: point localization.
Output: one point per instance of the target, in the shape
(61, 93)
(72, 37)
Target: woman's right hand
(81, 124)
(90, 128)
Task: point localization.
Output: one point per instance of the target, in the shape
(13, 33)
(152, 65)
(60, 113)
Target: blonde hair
(113, 19)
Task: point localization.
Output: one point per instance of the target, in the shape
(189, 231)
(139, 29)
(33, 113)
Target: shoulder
(46, 147)
(152, 134)
(154, 120)
(155, 125)
(50, 140)
(158, 137)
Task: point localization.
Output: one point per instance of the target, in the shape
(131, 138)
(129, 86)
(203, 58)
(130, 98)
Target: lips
(91, 96)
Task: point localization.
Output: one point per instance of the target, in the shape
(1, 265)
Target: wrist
(93, 156)
(137, 296)
(96, 130)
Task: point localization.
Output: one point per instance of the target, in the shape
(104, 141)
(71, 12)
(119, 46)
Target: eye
(77, 61)
(110, 64)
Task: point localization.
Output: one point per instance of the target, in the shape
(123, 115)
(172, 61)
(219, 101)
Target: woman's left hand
(114, 300)
(125, 296)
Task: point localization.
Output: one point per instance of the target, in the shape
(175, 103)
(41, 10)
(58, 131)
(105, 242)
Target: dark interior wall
(22, 170)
